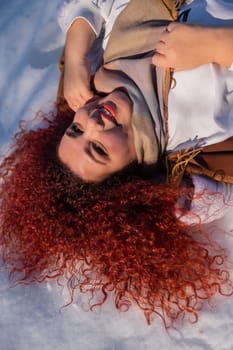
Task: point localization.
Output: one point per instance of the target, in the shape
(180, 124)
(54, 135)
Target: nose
(97, 118)
(94, 123)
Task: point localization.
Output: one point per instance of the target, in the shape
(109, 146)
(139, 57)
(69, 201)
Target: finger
(83, 100)
(165, 34)
(171, 26)
(74, 105)
(159, 60)
(72, 101)
(160, 47)
(87, 94)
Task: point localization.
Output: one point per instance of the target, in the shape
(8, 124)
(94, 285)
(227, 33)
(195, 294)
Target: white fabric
(201, 106)
(211, 201)
(201, 103)
(97, 14)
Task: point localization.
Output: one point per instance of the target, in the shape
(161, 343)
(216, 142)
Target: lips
(108, 111)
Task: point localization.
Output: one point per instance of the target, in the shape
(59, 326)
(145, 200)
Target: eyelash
(74, 127)
(98, 149)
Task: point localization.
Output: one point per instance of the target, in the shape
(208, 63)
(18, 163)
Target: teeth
(105, 111)
(108, 113)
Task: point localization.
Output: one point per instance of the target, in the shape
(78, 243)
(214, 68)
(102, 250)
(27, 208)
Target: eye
(74, 130)
(98, 149)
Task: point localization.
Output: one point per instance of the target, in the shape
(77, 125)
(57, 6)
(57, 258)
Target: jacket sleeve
(211, 201)
(94, 12)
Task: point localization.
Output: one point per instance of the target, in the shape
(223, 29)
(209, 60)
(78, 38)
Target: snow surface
(32, 317)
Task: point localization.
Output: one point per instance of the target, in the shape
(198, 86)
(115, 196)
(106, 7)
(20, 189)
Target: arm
(184, 46)
(79, 40)
(81, 21)
(92, 11)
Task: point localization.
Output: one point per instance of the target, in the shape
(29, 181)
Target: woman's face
(100, 140)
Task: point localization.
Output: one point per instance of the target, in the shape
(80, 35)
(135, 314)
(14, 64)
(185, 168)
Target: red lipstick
(108, 111)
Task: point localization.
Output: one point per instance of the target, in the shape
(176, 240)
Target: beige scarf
(129, 50)
(138, 27)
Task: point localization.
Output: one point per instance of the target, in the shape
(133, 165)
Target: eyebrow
(88, 152)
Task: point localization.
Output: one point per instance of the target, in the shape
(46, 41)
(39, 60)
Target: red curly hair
(120, 237)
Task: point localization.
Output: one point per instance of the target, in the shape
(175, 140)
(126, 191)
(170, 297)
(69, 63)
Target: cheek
(119, 143)
(61, 149)
(122, 151)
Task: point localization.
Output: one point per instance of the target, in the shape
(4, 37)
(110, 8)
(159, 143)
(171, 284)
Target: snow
(33, 317)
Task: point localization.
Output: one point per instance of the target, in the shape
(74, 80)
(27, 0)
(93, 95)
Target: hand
(79, 39)
(77, 83)
(184, 46)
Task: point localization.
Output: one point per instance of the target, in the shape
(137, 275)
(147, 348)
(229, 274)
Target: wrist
(74, 57)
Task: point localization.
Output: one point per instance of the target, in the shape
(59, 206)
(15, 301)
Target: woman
(189, 124)
(125, 238)
(122, 237)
